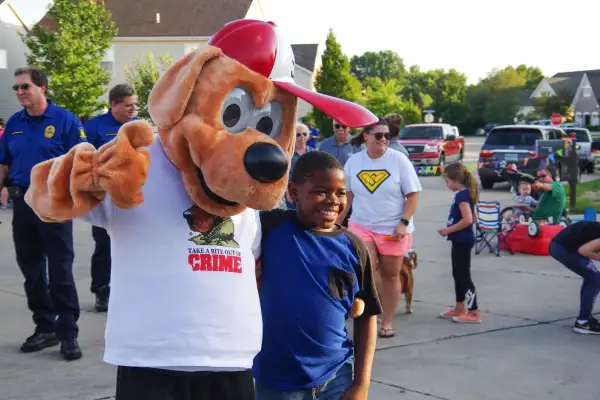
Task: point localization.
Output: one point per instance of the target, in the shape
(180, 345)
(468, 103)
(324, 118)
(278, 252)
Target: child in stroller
(524, 203)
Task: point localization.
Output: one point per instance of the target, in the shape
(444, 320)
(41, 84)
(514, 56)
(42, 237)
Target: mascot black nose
(265, 162)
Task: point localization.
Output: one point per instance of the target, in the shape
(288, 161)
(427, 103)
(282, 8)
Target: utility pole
(16, 15)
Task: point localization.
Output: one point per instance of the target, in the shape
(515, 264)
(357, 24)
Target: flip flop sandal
(386, 333)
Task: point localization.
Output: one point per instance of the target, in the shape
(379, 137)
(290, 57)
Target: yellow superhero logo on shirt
(49, 131)
(82, 134)
(372, 179)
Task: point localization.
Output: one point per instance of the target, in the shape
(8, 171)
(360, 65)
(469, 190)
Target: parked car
(514, 144)
(432, 144)
(583, 139)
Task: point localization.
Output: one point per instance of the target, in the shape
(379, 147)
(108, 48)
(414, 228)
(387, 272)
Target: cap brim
(343, 111)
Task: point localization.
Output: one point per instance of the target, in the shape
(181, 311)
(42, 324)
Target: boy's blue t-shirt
(308, 285)
(466, 235)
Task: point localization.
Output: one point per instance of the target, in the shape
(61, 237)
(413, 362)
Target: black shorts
(158, 384)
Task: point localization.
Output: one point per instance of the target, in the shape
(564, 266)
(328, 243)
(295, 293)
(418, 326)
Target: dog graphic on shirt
(210, 229)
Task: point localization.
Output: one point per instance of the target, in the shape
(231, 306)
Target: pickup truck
(587, 157)
(432, 144)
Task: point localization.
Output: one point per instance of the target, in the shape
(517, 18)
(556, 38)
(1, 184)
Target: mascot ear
(170, 95)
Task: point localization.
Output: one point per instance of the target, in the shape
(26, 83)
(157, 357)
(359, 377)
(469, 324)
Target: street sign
(556, 119)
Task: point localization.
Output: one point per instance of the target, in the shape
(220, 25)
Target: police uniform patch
(82, 134)
(49, 131)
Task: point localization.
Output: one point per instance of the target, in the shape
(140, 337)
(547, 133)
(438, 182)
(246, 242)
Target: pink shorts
(385, 246)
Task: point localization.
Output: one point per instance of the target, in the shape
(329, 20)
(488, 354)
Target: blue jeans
(333, 389)
(585, 268)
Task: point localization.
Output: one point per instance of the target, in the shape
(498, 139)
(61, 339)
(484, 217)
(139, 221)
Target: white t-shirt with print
(380, 187)
(180, 299)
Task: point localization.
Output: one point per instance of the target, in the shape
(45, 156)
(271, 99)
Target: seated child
(312, 272)
(524, 198)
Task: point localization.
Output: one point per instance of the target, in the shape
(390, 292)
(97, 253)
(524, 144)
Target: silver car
(587, 157)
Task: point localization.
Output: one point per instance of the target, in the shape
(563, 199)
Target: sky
(471, 36)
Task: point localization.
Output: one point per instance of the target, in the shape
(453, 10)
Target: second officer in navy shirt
(101, 130)
(39, 132)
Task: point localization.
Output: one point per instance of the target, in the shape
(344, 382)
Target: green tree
(547, 105)
(71, 53)
(334, 79)
(385, 65)
(142, 78)
(382, 98)
(533, 76)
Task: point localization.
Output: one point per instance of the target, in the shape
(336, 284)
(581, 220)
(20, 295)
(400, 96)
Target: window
(513, 137)
(3, 61)
(189, 47)
(587, 91)
(421, 132)
(108, 62)
(108, 66)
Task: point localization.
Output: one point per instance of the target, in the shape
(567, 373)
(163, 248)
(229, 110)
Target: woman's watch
(405, 221)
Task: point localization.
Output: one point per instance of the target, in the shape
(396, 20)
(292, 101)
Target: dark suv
(515, 144)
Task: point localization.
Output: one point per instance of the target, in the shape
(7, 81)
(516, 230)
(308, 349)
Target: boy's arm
(365, 326)
(591, 249)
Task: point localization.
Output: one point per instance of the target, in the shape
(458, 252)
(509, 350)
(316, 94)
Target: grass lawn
(588, 195)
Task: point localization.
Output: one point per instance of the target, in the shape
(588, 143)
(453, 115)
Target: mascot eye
(268, 119)
(237, 108)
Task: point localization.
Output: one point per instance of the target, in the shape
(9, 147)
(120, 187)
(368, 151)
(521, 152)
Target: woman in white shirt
(383, 190)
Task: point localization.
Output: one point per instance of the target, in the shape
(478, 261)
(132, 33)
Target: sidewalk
(524, 349)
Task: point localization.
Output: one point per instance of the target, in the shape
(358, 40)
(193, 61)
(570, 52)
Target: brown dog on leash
(411, 260)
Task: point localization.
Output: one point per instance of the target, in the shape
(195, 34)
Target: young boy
(312, 272)
(525, 200)
(577, 247)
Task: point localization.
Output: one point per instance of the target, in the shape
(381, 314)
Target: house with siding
(12, 56)
(176, 28)
(583, 87)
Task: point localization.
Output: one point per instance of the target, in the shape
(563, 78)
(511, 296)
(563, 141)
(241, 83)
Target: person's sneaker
(591, 327)
(468, 318)
(39, 341)
(70, 349)
(102, 296)
(451, 314)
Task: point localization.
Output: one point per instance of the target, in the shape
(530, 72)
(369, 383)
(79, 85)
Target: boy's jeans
(585, 268)
(333, 389)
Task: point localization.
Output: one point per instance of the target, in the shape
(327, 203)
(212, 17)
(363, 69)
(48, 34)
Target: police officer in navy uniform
(101, 130)
(39, 132)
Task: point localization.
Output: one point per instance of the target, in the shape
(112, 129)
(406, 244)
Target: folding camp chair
(488, 227)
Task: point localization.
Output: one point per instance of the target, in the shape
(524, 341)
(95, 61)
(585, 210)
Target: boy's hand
(356, 392)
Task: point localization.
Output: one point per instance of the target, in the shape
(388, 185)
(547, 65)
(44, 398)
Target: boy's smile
(320, 198)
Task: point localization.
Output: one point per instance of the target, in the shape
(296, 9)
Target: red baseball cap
(261, 47)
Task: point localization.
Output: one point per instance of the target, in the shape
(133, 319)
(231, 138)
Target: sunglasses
(301, 134)
(339, 126)
(23, 86)
(380, 135)
(542, 176)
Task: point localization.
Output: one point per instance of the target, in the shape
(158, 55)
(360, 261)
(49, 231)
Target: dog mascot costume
(184, 319)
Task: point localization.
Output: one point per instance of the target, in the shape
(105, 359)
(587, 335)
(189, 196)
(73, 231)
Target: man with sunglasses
(339, 145)
(553, 199)
(101, 130)
(39, 132)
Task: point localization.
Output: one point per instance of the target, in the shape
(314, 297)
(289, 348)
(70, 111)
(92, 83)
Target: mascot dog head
(226, 117)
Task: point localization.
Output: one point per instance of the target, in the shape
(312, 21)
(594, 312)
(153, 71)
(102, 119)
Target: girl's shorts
(386, 245)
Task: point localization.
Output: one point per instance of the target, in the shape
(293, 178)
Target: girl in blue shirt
(459, 231)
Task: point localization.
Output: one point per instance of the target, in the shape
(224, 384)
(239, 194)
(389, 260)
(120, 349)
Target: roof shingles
(305, 55)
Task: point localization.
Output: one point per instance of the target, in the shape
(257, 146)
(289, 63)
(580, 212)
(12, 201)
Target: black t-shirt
(576, 235)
